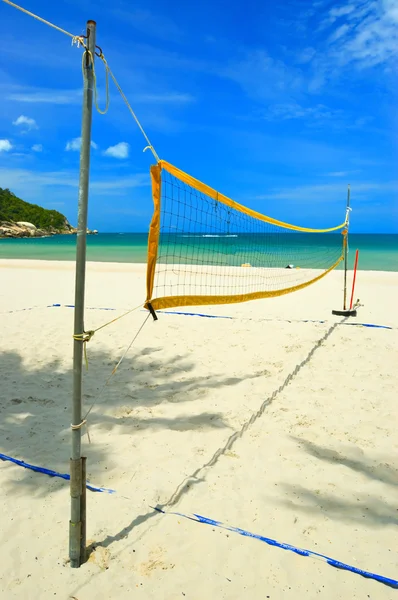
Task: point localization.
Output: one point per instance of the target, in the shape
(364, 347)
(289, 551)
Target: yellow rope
(86, 336)
(208, 191)
(27, 12)
(120, 317)
(115, 368)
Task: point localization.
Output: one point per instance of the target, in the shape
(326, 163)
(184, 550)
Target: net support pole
(355, 277)
(77, 524)
(346, 251)
(346, 312)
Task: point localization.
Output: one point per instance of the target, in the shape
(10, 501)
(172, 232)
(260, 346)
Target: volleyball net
(204, 248)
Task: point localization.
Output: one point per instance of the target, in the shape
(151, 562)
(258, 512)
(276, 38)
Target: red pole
(355, 276)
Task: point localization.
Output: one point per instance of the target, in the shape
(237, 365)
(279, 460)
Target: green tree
(15, 209)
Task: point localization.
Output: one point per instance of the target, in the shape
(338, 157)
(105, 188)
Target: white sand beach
(316, 467)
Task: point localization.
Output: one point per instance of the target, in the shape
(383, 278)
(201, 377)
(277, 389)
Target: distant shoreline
(123, 266)
(377, 252)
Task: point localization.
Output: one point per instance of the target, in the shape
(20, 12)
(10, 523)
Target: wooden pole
(77, 525)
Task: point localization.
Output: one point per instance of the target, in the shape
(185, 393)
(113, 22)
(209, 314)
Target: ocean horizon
(377, 252)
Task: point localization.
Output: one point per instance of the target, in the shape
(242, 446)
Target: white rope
(149, 146)
(27, 12)
(84, 420)
(79, 40)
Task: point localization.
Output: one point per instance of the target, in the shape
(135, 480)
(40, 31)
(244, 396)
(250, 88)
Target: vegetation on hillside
(15, 209)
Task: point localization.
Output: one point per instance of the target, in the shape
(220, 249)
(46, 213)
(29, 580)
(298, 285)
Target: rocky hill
(22, 219)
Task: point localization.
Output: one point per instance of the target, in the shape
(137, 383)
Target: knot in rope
(78, 40)
(84, 337)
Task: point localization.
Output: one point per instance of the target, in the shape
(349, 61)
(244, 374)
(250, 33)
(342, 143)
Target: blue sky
(276, 104)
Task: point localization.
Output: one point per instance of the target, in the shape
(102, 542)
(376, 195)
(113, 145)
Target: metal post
(352, 311)
(77, 480)
(346, 250)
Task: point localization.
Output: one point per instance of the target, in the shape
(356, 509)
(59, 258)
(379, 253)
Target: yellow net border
(201, 300)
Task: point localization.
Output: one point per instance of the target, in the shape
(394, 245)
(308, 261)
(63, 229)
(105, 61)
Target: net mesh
(207, 249)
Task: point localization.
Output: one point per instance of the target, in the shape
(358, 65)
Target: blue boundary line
(203, 315)
(73, 306)
(369, 325)
(169, 312)
(200, 519)
(51, 473)
(7, 312)
(186, 314)
(301, 551)
(54, 306)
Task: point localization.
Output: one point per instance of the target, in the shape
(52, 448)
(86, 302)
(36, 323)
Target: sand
(316, 467)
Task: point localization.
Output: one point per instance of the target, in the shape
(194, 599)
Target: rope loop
(76, 427)
(91, 61)
(79, 426)
(84, 337)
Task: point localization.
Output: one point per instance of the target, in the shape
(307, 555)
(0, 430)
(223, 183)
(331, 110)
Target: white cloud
(37, 148)
(31, 180)
(335, 192)
(46, 96)
(263, 77)
(121, 150)
(315, 116)
(369, 37)
(75, 144)
(151, 23)
(5, 146)
(171, 98)
(293, 110)
(34, 184)
(306, 55)
(356, 35)
(335, 13)
(25, 121)
(340, 31)
(120, 184)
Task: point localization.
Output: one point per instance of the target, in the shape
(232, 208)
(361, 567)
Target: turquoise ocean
(378, 252)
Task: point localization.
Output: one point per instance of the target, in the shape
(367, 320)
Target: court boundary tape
(51, 473)
(207, 316)
(205, 520)
(271, 542)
